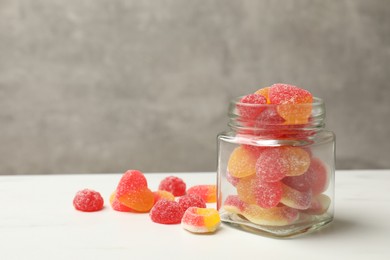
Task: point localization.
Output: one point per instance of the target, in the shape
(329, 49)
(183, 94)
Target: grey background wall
(107, 85)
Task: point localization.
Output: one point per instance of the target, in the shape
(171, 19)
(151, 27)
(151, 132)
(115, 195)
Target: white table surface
(38, 221)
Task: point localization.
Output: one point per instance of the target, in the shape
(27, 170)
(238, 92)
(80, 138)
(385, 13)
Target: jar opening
(270, 119)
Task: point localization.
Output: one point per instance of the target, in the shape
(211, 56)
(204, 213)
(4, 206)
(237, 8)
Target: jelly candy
(131, 180)
(289, 99)
(207, 192)
(232, 180)
(295, 199)
(319, 205)
(116, 205)
(88, 200)
(314, 179)
(166, 212)
(298, 160)
(201, 220)
(272, 165)
(234, 204)
(264, 92)
(174, 185)
(317, 176)
(276, 216)
(141, 200)
(242, 163)
(275, 163)
(253, 190)
(162, 194)
(191, 200)
(248, 106)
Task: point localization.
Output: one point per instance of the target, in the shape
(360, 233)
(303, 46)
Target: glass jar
(276, 176)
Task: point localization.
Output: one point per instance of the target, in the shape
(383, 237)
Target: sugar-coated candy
(319, 205)
(131, 180)
(298, 160)
(296, 199)
(242, 163)
(254, 190)
(207, 192)
(294, 104)
(174, 185)
(231, 179)
(163, 194)
(88, 200)
(274, 163)
(166, 212)
(116, 205)
(248, 106)
(233, 204)
(201, 220)
(264, 92)
(315, 178)
(191, 200)
(276, 216)
(141, 200)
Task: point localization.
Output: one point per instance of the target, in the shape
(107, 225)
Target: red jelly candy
(88, 200)
(247, 106)
(290, 99)
(131, 181)
(207, 192)
(166, 212)
(191, 200)
(174, 185)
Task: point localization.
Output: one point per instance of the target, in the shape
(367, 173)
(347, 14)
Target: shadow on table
(337, 226)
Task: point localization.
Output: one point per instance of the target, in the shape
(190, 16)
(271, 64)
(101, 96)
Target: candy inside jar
(276, 164)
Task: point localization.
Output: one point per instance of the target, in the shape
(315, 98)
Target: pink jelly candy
(272, 165)
(166, 212)
(191, 200)
(174, 185)
(248, 108)
(88, 200)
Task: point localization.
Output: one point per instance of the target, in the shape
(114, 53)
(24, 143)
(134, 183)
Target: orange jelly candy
(207, 192)
(242, 163)
(141, 200)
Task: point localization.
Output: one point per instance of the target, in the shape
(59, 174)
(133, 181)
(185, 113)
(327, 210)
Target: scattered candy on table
(201, 220)
(88, 200)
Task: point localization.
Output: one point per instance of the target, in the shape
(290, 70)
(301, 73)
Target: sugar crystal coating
(163, 194)
(191, 200)
(166, 212)
(131, 180)
(88, 200)
(201, 220)
(207, 192)
(264, 92)
(242, 163)
(174, 185)
(141, 200)
(272, 165)
(247, 106)
(290, 99)
(253, 190)
(296, 199)
(116, 205)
